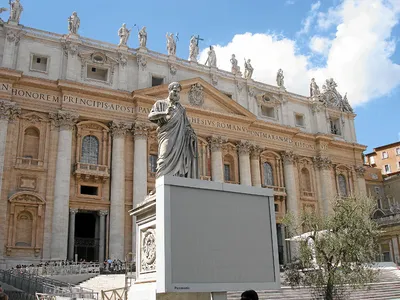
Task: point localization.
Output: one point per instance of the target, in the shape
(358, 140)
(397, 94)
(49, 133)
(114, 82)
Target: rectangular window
(377, 189)
(384, 155)
(39, 63)
(227, 172)
(398, 151)
(153, 163)
(299, 120)
(156, 81)
(89, 190)
(276, 207)
(97, 73)
(387, 169)
(372, 160)
(335, 126)
(267, 111)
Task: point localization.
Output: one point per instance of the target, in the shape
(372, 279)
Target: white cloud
(320, 44)
(358, 57)
(312, 15)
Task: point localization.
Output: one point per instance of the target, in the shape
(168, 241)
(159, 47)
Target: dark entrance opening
(86, 243)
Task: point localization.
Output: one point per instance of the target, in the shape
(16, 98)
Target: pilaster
(289, 159)
(324, 166)
(13, 36)
(64, 121)
(122, 70)
(361, 187)
(117, 208)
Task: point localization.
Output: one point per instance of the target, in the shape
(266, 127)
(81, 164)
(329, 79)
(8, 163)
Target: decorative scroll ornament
(9, 110)
(322, 162)
(251, 91)
(331, 98)
(122, 59)
(142, 61)
(64, 119)
(196, 95)
(360, 171)
(119, 129)
(244, 147)
(172, 69)
(13, 36)
(148, 251)
(69, 48)
(214, 79)
(288, 157)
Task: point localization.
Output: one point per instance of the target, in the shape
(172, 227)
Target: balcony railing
(27, 161)
(389, 220)
(277, 189)
(91, 170)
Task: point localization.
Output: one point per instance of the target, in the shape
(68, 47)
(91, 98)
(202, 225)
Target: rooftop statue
(73, 23)
(16, 10)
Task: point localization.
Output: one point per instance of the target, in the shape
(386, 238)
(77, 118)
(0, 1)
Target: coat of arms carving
(196, 95)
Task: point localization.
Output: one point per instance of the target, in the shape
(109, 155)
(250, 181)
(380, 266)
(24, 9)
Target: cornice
(10, 75)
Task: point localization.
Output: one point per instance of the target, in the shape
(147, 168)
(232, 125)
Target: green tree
(337, 251)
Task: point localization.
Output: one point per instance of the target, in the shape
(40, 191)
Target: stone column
(10, 46)
(255, 166)
(117, 208)
(217, 169)
(102, 244)
(324, 166)
(290, 182)
(140, 159)
(71, 241)
(244, 162)
(361, 187)
(65, 121)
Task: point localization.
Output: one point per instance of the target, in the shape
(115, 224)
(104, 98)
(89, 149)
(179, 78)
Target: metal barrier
(70, 269)
(33, 284)
(115, 294)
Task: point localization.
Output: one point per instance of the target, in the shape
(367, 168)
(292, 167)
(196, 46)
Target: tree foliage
(344, 248)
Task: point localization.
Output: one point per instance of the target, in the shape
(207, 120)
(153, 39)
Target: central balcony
(92, 172)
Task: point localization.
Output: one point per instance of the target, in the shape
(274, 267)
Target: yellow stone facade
(235, 146)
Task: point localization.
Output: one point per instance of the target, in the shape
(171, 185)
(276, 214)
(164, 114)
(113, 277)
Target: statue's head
(124, 25)
(312, 79)
(249, 60)
(173, 91)
(74, 13)
(144, 28)
(233, 56)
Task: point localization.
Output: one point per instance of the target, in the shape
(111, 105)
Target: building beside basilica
(77, 151)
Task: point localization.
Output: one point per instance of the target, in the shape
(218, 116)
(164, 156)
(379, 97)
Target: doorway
(86, 240)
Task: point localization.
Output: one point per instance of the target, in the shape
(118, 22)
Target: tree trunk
(329, 289)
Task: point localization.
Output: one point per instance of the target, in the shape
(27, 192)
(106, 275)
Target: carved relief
(69, 48)
(9, 110)
(244, 147)
(64, 119)
(122, 59)
(255, 151)
(214, 79)
(140, 130)
(288, 157)
(148, 250)
(196, 95)
(216, 142)
(251, 91)
(14, 36)
(27, 183)
(172, 69)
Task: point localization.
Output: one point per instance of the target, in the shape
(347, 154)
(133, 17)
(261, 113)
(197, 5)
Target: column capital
(73, 211)
(119, 129)
(64, 119)
(322, 162)
(288, 157)
(140, 131)
(360, 171)
(244, 147)
(102, 213)
(9, 110)
(216, 142)
(255, 151)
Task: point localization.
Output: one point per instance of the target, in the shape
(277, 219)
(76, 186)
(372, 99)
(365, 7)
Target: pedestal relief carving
(119, 129)
(148, 250)
(9, 110)
(196, 95)
(322, 162)
(64, 119)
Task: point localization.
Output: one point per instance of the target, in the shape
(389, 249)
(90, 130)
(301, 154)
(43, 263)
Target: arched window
(342, 185)
(31, 143)
(24, 229)
(305, 180)
(268, 174)
(90, 150)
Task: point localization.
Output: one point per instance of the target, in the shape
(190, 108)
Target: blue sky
(353, 41)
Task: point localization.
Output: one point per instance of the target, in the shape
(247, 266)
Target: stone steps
(105, 282)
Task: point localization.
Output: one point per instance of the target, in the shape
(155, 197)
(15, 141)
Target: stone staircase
(104, 282)
(388, 288)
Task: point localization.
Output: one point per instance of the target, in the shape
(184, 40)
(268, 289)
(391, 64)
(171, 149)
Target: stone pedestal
(170, 262)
